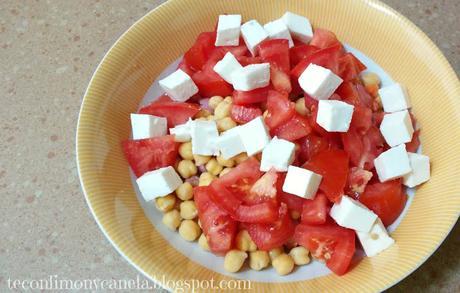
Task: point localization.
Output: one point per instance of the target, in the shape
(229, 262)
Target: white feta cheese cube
(254, 135)
(397, 128)
(352, 214)
(179, 86)
(147, 126)
(227, 66)
(319, 82)
(393, 163)
(182, 132)
(229, 143)
(159, 182)
(394, 98)
(228, 30)
(301, 182)
(251, 77)
(278, 154)
(376, 240)
(204, 136)
(277, 29)
(334, 116)
(253, 34)
(420, 173)
(299, 26)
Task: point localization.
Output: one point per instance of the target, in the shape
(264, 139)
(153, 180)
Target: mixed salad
(272, 144)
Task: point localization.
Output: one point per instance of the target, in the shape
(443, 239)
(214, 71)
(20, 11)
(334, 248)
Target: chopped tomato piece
(315, 211)
(363, 149)
(198, 54)
(276, 52)
(149, 154)
(311, 145)
(413, 145)
(175, 112)
(250, 97)
(211, 84)
(293, 129)
(361, 120)
(218, 227)
(357, 181)
(185, 67)
(246, 60)
(244, 114)
(329, 242)
(293, 202)
(275, 234)
(323, 38)
(280, 80)
(350, 67)
(264, 212)
(298, 53)
(386, 199)
(265, 188)
(333, 166)
(280, 109)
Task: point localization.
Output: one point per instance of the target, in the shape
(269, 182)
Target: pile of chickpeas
(180, 212)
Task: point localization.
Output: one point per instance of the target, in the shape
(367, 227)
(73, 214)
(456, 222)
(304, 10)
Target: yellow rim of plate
(136, 59)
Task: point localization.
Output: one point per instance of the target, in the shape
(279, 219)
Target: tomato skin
(330, 242)
(250, 97)
(294, 129)
(211, 84)
(386, 199)
(333, 166)
(243, 114)
(323, 38)
(198, 54)
(275, 234)
(149, 154)
(315, 211)
(280, 109)
(176, 112)
(350, 67)
(298, 53)
(218, 226)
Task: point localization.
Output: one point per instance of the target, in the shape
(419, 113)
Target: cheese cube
(319, 82)
(229, 143)
(301, 182)
(420, 165)
(397, 128)
(254, 135)
(299, 26)
(204, 136)
(376, 240)
(179, 86)
(251, 77)
(394, 98)
(334, 116)
(253, 34)
(147, 126)
(158, 183)
(182, 132)
(352, 214)
(228, 30)
(277, 29)
(393, 163)
(227, 66)
(278, 154)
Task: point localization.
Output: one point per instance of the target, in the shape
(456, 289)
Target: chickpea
(225, 171)
(224, 162)
(188, 210)
(201, 160)
(223, 110)
(225, 124)
(300, 255)
(185, 191)
(203, 242)
(211, 117)
(189, 230)
(283, 264)
(228, 99)
(213, 167)
(240, 158)
(203, 113)
(171, 219)
(186, 168)
(244, 242)
(234, 260)
(165, 203)
(275, 252)
(370, 78)
(206, 179)
(295, 215)
(214, 101)
(259, 260)
(300, 107)
(185, 151)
